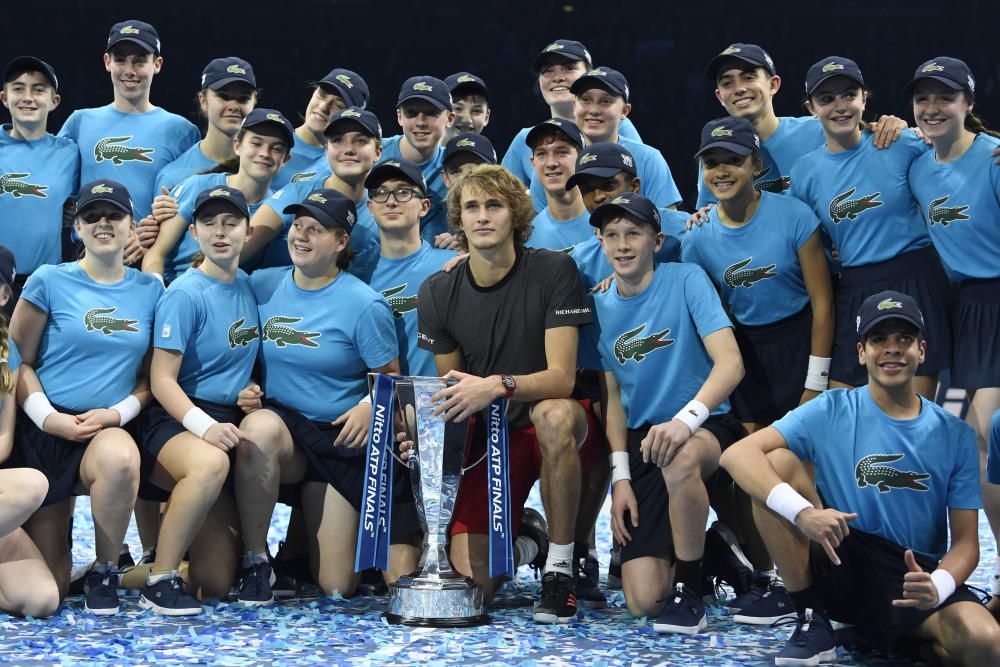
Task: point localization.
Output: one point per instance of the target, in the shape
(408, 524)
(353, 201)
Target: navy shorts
(975, 361)
(918, 274)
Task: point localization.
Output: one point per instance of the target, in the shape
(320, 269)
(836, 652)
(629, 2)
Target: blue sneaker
(614, 581)
(725, 560)
(167, 598)
(255, 586)
(811, 643)
(588, 591)
(773, 605)
(102, 592)
(683, 614)
(757, 588)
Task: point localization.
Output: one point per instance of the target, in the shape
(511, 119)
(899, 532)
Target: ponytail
(976, 125)
(6, 376)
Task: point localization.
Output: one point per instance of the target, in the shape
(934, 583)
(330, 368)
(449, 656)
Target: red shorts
(525, 468)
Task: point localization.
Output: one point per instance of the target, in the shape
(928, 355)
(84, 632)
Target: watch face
(508, 382)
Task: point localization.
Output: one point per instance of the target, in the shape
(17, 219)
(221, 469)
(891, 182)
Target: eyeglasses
(91, 217)
(402, 195)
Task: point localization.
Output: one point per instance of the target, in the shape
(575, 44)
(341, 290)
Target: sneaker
(167, 598)
(683, 614)
(811, 643)
(757, 588)
(586, 572)
(557, 603)
(283, 586)
(615, 568)
(255, 586)
(533, 526)
(725, 560)
(78, 577)
(773, 605)
(102, 592)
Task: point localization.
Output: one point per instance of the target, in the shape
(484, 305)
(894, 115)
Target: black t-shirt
(501, 328)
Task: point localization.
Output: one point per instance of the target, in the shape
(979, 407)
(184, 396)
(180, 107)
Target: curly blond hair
(495, 181)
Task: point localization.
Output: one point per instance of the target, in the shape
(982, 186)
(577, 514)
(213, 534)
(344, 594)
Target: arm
(265, 225)
(616, 428)
(356, 420)
(169, 235)
(128, 408)
(7, 414)
(816, 274)
(926, 590)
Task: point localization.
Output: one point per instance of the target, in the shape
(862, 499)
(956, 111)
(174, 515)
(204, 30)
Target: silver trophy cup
(435, 595)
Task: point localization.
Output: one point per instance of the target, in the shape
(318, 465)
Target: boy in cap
(463, 152)
(555, 146)
(470, 100)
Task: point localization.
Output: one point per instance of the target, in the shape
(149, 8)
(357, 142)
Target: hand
(224, 436)
(623, 500)
(470, 395)
(405, 446)
(828, 527)
(355, 422)
(918, 588)
(147, 231)
(454, 262)
(103, 417)
(249, 398)
(604, 285)
(927, 140)
(834, 254)
(67, 427)
(164, 206)
(886, 130)
(134, 251)
(996, 154)
(446, 241)
(808, 395)
(698, 217)
(663, 441)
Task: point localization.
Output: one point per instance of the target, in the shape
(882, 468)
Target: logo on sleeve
(627, 346)
(11, 184)
(940, 214)
(277, 331)
(842, 207)
(303, 176)
(239, 335)
(96, 319)
(775, 185)
(110, 148)
(736, 275)
(868, 472)
(400, 304)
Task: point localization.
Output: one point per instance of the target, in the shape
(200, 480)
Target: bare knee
(32, 487)
(42, 603)
(641, 599)
(554, 422)
(684, 467)
(117, 459)
(211, 469)
(981, 644)
(264, 431)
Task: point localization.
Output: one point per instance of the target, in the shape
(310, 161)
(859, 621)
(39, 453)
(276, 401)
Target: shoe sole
(256, 603)
(145, 603)
(109, 611)
(823, 657)
(762, 620)
(551, 619)
(283, 595)
(665, 629)
(603, 604)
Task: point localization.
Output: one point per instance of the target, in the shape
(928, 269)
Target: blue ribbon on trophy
(498, 482)
(376, 498)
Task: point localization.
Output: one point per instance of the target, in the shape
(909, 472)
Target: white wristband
(198, 422)
(367, 400)
(619, 467)
(818, 373)
(38, 408)
(693, 414)
(944, 583)
(787, 502)
(128, 409)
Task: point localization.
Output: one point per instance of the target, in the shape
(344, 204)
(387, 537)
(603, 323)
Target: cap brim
(739, 149)
(339, 89)
(32, 63)
(353, 121)
(149, 48)
(470, 88)
(536, 64)
(549, 127)
(381, 174)
(588, 82)
(830, 75)
(713, 65)
(438, 104)
(225, 200)
(889, 316)
(289, 134)
(216, 85)
(599, 172)
(953, 85)
(324, 218)
(467, 151)
(117, 204)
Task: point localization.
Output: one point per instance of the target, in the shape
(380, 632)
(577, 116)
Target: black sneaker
(255, 587)
(533, 526)
(757, 588)
(811, 643)
(102, 592)
(78, 577)
(557, 602)
(283, 587)
(167, 598)
(773, 605)
(725, 560)
(293, 566)
(614, 580)
(683, 614)
(586, 571)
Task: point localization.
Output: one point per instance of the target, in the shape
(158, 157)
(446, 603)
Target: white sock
(103, 568)
(525, 550)
(157, 578)
(560, 558)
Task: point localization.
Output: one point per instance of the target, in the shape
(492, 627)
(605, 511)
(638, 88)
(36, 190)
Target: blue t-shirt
(899, 476)
(96, 336)
(36, 179)
(398, 281)
(756, 266)
(862, 196)
(191, 162)
(304, 165)
(214, 325)
(436, 220)
(552, 234)
(993, 454)
(13, 356)
(795, 136)
(960, 202)
(130, 148)
(652, 342)
(316, 358)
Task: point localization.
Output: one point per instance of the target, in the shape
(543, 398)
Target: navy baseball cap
(952, 72)
(733, 134)
(349, 85)
(566, 48)
(396, 168)
(469, 142)
(222, 193)
(748, 53)
(888, 305)
(635, 206)
(602, 160)
(828, 68)
(30, 64)
(223, 71)
(555, 125)
(602, 77)
(8, 270)
(105, 190)
(464, 83)
(329, 207)
(261, 116)
(366, 119)
(427, 88)
(137, 32)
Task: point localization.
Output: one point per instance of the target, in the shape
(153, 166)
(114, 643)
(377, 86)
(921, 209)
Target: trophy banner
(376, 500)
(498, 479)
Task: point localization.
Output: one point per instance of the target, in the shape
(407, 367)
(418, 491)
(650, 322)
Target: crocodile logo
(775, 185)
(885, 478)
(303, 176)
(722, 132)
(629, 347)
(238, 336)
(109, 148)
(597, 72)
(105, 190)
(554, 47)
(621, 199)
(97, 319)
(465, 78)
(569, 250)
(219, 193)
(273, 116)
(587, 157)
(841, 207)
(942, 215)
(11, 184)
(423, 86)
(344, 79)
(236, 69)
(277, 331)
(317, 198)
(889, 304)
(736, 276)
(128, 30)
(400, 304)
(465, 143)
(391, 163)
(932, 67)
(349, 113)
(832, 66)
(730, 51)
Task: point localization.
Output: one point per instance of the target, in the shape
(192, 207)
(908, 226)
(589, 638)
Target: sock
(579, 550)
(688, 572)
(525, 550)
(560, 558)
(157, 578)
(995, 581)
(103, 568)
(250, 559)
(807, 598)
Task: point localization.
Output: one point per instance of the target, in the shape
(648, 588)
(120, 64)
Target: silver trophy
(435, 595)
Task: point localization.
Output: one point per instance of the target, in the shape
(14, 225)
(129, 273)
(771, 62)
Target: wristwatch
(508, 385)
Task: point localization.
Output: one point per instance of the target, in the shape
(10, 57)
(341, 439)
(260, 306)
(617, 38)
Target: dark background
(662, 47)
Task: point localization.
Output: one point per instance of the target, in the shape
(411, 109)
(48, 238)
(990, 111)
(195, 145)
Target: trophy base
(444, 603)
(419, 622)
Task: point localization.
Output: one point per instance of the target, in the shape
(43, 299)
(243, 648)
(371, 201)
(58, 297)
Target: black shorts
(861, 589)
(975, 361)
(587, 386)
(653, 537)
(775, 359)
(917, 274)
